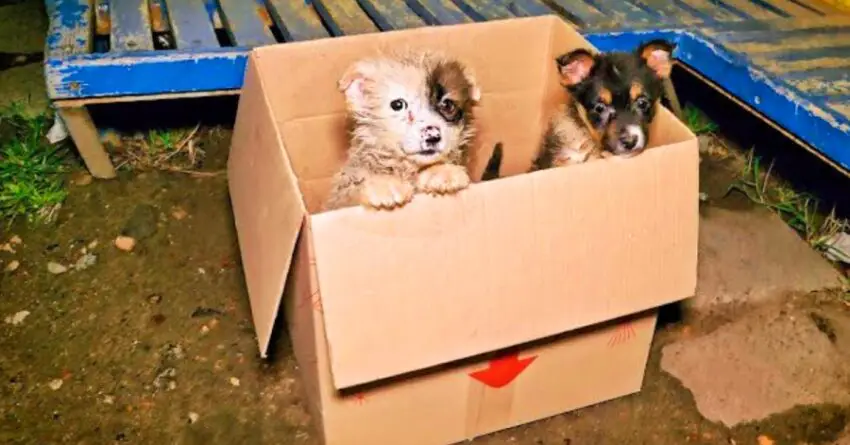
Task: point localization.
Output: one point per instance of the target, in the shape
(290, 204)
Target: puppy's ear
(575, 66)
(657, 54)
(353, 83)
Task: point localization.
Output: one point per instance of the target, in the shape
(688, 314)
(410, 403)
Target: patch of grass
(697, 121)
(799, 210)
(171, 150)
(31, 169)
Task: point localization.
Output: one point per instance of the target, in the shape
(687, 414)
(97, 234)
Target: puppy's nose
(629, 140)
(431, 134)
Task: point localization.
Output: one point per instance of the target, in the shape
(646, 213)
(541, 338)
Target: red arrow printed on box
(502, 371)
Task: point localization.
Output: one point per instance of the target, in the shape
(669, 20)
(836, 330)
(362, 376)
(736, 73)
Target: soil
(156, 345)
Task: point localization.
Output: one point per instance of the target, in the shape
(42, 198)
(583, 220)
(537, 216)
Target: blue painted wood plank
(813, 6)
(191, 24)
(529, 8)
(145, 73)
(623, 11)
(796, 9)
(243, 23)
(670, 11)
(842, 107)
(827, 52)
(483, 10)
(825, 127)
(783, 42)
(773, 34)
(70, 27)
(821, 81)
(757, 9)
(344, 17)
(389, 16)
(579, 12)
(131, 26)
(709, 11)
(438, 12)
(297, 20)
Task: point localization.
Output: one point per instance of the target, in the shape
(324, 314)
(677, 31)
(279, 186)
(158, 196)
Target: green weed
(799, 210)
(170, 150)
(31, 169)
(697, 121)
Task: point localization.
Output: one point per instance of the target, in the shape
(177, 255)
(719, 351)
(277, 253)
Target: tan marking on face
(605, 96)
(636, 90)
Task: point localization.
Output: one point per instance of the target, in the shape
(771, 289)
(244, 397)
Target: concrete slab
(765, 363)
(750, 256)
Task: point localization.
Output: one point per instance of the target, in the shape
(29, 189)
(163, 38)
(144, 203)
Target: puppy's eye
(448, 107)
(398, 104)
(599, 107)
(643, 104)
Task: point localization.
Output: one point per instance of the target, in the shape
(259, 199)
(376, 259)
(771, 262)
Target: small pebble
(205, 330)
(154, 298)
(56, 268)
(179, 214)
(764, 440)
(55, 384)
(7, 248)
(92, 245)
(82, 180)
(18, 318)
(703, 197)
(12, 266)
(85, 261)
(202, 271)
(15, 239)
(193, 417)
(234, 381)
(125, 243)
(109, 400)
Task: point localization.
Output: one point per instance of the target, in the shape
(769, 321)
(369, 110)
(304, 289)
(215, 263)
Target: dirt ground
(157, 346)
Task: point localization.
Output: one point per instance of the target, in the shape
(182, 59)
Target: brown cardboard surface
(412, 304)
(267, 204)
(464, 400)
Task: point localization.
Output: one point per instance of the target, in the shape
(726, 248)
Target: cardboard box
(515, 300)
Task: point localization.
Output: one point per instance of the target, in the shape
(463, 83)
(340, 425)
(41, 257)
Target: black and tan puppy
(611, 103)
(412, 121)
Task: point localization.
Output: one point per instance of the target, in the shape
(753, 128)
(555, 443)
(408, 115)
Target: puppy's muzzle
(631, 138)
(431, 135)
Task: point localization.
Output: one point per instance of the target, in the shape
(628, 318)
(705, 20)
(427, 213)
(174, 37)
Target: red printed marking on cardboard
(502, 371)
(622, 334)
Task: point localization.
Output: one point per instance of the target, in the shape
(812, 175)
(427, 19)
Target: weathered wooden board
(787, 59)
(131, 26)
(191, 25)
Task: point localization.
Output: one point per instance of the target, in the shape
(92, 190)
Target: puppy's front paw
(442, 179)
(385, 192)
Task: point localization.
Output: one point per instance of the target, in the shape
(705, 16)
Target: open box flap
(454, 277)
(267, 204)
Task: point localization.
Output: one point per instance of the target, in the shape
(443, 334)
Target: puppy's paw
(442, 179)
(385, 192)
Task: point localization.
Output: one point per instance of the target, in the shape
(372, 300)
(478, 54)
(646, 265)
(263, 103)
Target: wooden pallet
(787, 60)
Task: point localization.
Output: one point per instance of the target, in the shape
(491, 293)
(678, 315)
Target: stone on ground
(751, 256)
(764, 363)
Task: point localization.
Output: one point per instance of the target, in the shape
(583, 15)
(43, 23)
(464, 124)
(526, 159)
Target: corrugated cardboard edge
(267, 205)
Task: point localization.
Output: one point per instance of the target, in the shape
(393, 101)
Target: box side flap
(506, 262)
(267, 204)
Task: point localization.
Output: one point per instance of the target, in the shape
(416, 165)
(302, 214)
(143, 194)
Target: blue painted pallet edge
(139, 73)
